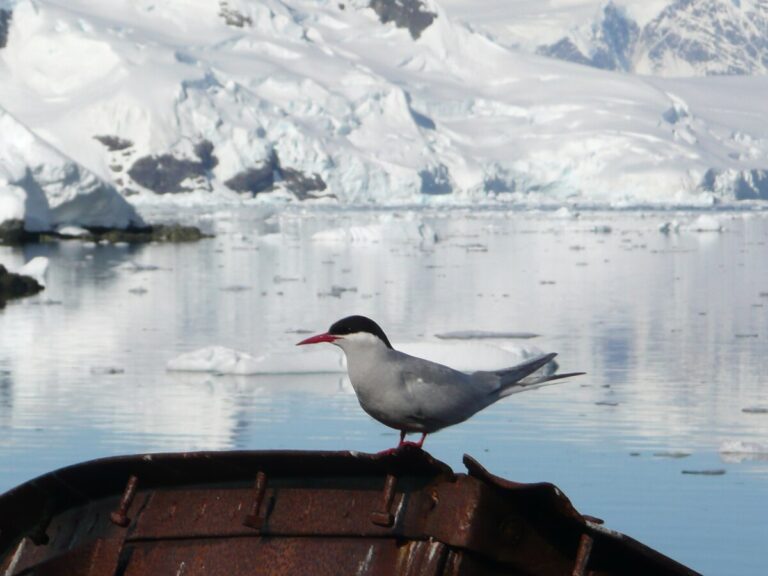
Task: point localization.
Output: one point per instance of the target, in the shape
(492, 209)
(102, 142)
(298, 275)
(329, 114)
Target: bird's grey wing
(527, 375)
(503, 380)
(440, 396)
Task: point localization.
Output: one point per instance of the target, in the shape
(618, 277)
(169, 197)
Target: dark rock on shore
(12, 232)
(16, 286)
(156, 233)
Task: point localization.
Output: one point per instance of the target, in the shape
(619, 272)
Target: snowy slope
(682, 38)
(194, 100)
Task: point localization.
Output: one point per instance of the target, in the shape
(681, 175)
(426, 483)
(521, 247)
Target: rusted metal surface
(119, 516)
(320, 513)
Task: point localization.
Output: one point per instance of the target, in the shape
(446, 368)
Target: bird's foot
(388, 451)
(409, 444)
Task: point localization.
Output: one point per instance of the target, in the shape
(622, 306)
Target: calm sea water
(671, 328)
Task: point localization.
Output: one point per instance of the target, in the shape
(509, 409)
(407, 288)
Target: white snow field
(199, 102)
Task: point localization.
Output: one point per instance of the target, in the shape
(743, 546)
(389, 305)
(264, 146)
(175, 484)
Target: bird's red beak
(325, 337)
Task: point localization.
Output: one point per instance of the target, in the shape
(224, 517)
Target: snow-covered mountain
(686, 38)
(384, 102)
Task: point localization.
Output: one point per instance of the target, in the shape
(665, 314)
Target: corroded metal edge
(138, 502)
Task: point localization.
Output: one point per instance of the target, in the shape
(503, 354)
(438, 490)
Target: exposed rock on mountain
(706, 37)
(266, 176)
(167, 174)
(5, 19)
(610, 42)
(688, 38)
(410, 14)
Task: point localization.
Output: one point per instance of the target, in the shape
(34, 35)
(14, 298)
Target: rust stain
(319, 513)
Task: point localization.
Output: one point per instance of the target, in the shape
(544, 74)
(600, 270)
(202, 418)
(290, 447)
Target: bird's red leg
(389, 451)
(418, 444)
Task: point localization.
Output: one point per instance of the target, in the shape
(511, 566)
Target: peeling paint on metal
(362, 570)
(16, 557)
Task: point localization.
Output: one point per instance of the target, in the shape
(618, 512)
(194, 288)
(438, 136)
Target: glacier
(110, 108)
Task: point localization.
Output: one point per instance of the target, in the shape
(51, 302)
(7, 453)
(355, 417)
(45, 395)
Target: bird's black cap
(355, 324)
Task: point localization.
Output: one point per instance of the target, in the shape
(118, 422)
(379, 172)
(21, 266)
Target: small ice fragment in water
(280, 279)
(336, 292)
(672, 454)
(140, 291)
(602, 229)
(72, 232)
(106, 370)
(737, 451)
(483, 334)
(221, 360)
(706, 223)
(235, 288)
(755, 410)
(135, 267)
(667, 227)
(36, 268)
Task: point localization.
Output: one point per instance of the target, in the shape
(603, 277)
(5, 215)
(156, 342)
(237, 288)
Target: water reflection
(669, 327)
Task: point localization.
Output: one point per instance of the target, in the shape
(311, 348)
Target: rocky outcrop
(155, 233)
(266, 176)
(5, 23)
(436, 181)
(114, 143)
(16, 286)
(167, 174)
(708, 37)
(233, 17)
(253, 180)
(611, 45)
(565, 49)
(687, 38)
(410, 14)
(302, 185)
(12, 232)
(742, 184)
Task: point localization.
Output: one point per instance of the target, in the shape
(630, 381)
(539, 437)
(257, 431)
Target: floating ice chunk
(706, 472)
(672, 454)
(469, 356)
(106, 370)
(565, 213)
(706, 223)
(602, 229)
(483, 335)
(737, 451)
(72, 231)
(399, 231)
(755, 410)
(36, 268)
(351, 235)
(465, 356)
(670, 226)
(131, 266)
(224, 360)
